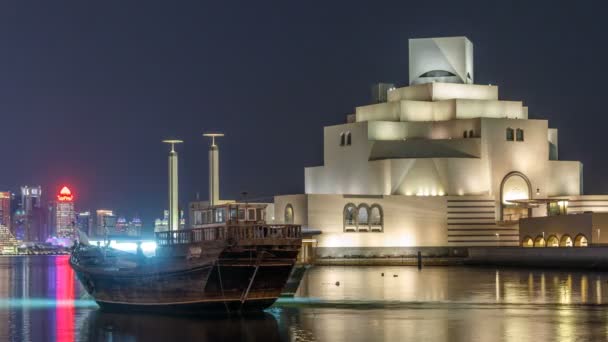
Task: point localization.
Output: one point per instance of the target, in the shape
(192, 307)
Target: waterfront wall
(558, 257)
(388, 252)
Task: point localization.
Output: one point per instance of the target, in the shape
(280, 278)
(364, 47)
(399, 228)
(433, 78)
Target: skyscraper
(30, 197)
(121, 225)
(29, 222)
(5, 209)
(135, 227)
(84, 222)
(65, 215)
(105, 222)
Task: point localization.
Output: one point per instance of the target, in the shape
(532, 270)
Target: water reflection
(40, 299)
(101, 326)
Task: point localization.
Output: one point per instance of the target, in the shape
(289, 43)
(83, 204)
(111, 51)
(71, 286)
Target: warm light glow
(65, 195)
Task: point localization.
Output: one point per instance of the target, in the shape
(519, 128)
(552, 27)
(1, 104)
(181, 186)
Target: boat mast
(173, 187)
(214, 169)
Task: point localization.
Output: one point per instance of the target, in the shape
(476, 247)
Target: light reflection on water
(40, 299)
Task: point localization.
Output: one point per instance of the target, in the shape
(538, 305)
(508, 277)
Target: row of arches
(363, 218)
(553, 241)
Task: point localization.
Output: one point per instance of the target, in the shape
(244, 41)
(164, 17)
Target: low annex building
(442, 162)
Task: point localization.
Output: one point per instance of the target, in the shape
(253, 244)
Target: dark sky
(88, 89)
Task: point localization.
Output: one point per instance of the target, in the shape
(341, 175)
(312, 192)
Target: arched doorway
(527, 242)
(289, 214)
(552, 241)
(515, 186)
(565, 241)
(539, 241)
(580, 241)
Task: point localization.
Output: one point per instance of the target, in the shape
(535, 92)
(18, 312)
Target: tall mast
(173, 186)
(214, 169)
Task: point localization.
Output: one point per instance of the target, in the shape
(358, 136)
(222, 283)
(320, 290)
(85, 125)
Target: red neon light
(65, 195)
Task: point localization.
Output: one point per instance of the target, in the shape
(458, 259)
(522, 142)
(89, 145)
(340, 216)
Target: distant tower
(65, 215)
(5, 209)
(214, 169)
(30, 198)
(173, 193)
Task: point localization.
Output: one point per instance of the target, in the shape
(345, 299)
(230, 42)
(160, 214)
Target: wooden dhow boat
(232, 266)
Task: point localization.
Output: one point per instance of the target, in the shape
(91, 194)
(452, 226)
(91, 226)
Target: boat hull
(230, 280)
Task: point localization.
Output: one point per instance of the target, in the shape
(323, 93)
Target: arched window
(348, 140)
(510, 134)
(527, 242)
(565, 241)
(363, 218)
(350, 222)
(519, 134)
(471, 134)
(376, 218)
(465, 134)
(552, 241)
(580, 241)
(289, 214)
(539, 241)
(342, 139)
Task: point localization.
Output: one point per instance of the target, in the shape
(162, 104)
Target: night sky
(87, 91)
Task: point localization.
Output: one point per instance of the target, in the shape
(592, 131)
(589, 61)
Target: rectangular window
(241, 214)
(520, 135)
(220, 215)
(232, 213)
(251, 214)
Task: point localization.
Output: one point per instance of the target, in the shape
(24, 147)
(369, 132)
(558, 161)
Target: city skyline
(180, 78)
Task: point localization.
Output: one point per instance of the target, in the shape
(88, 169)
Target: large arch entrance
(515, 186)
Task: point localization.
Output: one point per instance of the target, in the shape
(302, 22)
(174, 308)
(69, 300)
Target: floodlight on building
(173, 185)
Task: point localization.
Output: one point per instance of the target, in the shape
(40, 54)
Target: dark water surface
(40, 300)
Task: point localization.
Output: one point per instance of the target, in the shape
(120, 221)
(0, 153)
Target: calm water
(40, 299)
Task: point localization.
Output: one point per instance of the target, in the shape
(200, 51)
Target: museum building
(442, 162)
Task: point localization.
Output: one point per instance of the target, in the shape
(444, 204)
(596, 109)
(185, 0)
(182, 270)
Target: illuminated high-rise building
(29, 221)
(84, 222)
(5, 209)
(31, 197)
(121, 225)
(135, 227)
(65, 214)
(105, 223)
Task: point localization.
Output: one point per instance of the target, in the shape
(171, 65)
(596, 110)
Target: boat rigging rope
(219, 275)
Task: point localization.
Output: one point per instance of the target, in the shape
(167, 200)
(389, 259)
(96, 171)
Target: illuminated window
(539, 241)
(509, 134)
(348, 140)
(565, 241)
(289, 214)
(580, 241)
(342, 139)
(350, 224)
(251, 214)
(363, 218)
(527, 242)
(519, 134)
(376, 218)
(552, 241)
